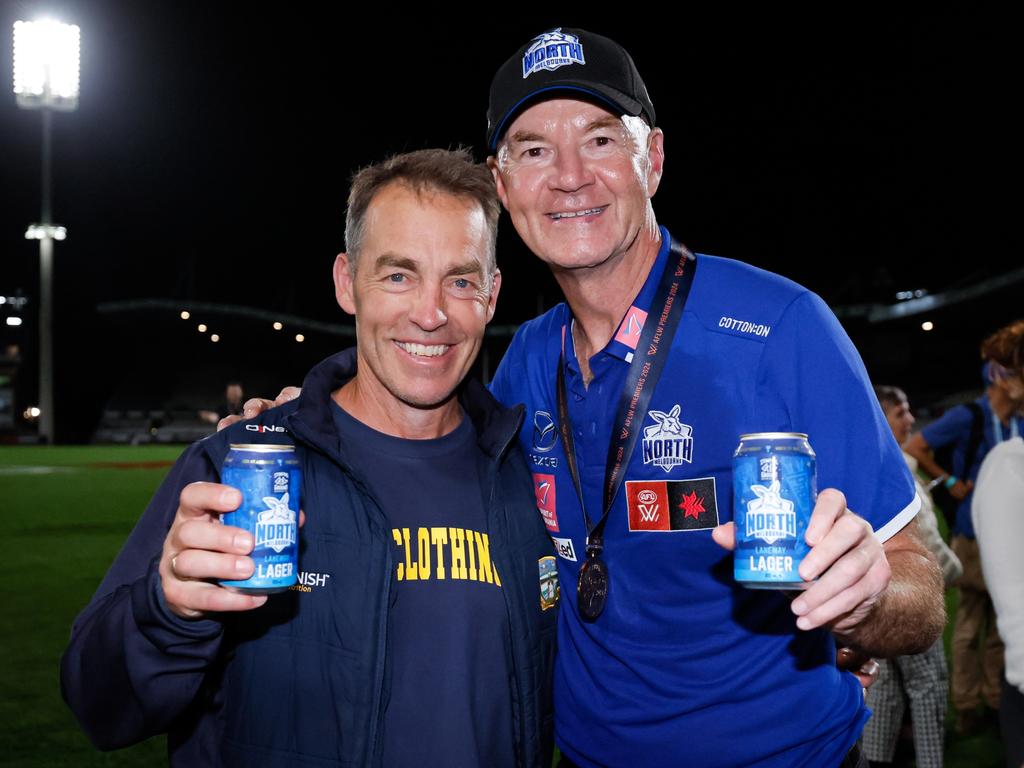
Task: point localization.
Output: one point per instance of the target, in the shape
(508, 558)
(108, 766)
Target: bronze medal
(592, 588)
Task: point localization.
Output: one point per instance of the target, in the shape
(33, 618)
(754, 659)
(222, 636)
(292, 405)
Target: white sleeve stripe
(897, 524)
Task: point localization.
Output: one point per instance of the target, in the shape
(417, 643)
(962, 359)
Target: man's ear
(492, 300)
(655, 160)
(344, 290)
(492, 163)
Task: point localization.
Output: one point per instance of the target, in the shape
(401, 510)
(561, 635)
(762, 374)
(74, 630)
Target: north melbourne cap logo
(552, 50)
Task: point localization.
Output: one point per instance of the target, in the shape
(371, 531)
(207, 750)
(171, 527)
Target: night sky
(209, 159)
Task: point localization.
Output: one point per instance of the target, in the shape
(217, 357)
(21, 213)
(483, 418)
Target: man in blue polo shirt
(637, 390)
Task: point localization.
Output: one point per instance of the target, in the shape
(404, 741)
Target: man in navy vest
(421, 631)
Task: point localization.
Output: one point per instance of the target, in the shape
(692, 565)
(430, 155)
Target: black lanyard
(649, 358)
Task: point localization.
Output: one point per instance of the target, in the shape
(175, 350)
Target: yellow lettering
(439, 537)
(472, 553)
(497, 581)
(398, 540)
(411, 572)
(483, 548)
(423, 547)
(457, 542)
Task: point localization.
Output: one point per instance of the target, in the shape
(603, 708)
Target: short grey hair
(446, 171)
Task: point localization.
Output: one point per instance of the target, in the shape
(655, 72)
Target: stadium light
(3, 299)
(201, 328)
(185, 314)
(299, 337)
(927, 325)
(46, 64)
(214, 337)
(14, 321)
(43, 231)
(46, 77)
(278, 326)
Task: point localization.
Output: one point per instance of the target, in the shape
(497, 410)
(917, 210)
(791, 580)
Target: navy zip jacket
(299, 681)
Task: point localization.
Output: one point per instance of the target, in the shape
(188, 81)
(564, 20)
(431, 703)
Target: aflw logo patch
(672, 505)
(668, 442)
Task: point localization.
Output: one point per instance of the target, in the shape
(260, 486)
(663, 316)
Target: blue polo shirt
(954, 426)
(683, 667)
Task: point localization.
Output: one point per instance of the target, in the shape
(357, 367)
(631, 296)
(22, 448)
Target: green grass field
(67, 512)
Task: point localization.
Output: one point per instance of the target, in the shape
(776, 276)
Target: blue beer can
(774, 488)
(270, 480)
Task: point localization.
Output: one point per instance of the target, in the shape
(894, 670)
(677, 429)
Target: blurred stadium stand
(140, 427)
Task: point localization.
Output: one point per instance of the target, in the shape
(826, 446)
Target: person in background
(920, 679)
(972, 429)
(233, 395)
(998, 517)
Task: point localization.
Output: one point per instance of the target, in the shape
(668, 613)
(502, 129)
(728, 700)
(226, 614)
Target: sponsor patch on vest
(565, 549)
(668, 442)
(672, 505)
(310, 580)
(261, 428)
(544, 490)
(552, 50)
(549, 589)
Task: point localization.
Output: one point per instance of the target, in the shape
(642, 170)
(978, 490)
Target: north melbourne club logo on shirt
(672, 505)
(552, 50)
(668, 442)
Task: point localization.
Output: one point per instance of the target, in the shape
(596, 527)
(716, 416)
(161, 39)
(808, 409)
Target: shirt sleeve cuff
(897, 524)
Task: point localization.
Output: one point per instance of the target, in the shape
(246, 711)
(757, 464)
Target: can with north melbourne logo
(774, 488)
(270, 480)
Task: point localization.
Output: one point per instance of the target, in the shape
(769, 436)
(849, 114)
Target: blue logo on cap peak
(552, 50)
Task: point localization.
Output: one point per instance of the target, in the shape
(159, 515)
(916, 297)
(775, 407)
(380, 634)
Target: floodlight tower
(46, 55)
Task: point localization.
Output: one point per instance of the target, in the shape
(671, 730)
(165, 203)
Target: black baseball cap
(562, 60)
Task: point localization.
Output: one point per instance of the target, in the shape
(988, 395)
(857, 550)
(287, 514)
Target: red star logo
(692, 506)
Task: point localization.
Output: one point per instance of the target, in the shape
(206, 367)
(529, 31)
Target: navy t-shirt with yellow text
(449, 700)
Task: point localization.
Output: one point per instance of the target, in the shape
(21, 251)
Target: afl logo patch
(672, 505)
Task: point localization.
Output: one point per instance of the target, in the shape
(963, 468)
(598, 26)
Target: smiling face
(422, 296)
(900, 420)
(578, 180)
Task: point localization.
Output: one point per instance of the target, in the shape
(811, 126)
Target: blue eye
(396, 278)
(462, 283)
